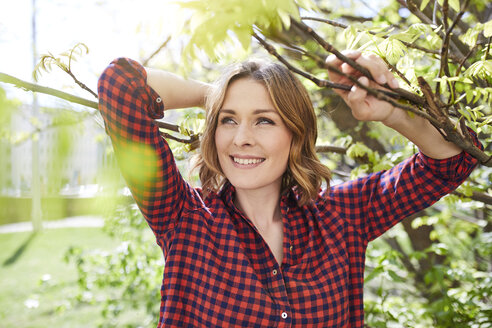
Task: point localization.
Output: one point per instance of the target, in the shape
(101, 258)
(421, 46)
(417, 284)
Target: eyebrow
(256, 111)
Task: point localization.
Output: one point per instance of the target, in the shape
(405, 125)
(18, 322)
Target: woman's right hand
(364, 107)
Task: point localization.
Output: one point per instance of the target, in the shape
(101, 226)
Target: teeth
(247, 161)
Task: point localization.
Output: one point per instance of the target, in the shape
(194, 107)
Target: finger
(357, 93)
(349, 70)
(378, 69)
(333, 60)
(356, 99)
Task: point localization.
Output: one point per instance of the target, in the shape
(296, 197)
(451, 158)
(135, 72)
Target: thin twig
(397, 71)
(364, 71)
(472, 50)
(454, 58)
(331, 149)
(457, 19)
(347, 17)
(434, 12)
(28, 86)
(449, 132)
(318, 82)
(146, 61)
(80, 84)
(443, 67)
(167, 126)
(326, 21)
(477, 196)
(193, 140)
(414, 9)
(382, 95)
(322, 82)
(488, 48)
(378, 93)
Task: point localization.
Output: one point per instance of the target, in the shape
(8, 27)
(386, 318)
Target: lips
(247, 160)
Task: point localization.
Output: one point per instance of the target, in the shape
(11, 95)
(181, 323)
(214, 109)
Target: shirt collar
(288, 199)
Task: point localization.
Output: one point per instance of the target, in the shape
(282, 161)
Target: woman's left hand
(365, 107)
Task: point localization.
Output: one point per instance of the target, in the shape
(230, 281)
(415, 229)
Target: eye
(264, 120)
(226, 120)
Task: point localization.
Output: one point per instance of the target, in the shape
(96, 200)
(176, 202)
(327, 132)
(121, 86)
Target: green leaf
(394, 49)
(307, 4)
(244, 37)
(481, 69)
(424, 4)
(374, 273)
(395, 277)
(487, 29)
(455, 4)
(358, 150)
(285, 18)
(471, 35)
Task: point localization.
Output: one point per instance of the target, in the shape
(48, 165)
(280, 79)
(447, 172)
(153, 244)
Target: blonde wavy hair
(304, 171)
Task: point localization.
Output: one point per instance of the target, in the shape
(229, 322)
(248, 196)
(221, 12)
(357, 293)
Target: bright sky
(110, 28)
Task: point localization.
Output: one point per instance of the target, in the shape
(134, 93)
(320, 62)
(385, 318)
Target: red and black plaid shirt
(219, 272)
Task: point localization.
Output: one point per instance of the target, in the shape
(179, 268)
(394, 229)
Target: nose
(244, 136)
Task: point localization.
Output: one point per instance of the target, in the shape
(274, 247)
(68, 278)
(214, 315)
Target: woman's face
(251, 138)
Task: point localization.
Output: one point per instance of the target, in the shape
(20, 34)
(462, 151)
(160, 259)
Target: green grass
(25, 258)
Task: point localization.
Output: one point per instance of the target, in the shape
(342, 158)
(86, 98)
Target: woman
(259, 245)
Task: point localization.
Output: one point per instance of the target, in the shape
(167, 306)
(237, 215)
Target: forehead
(246, 93)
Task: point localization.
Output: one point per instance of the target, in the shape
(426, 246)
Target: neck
(262, 207)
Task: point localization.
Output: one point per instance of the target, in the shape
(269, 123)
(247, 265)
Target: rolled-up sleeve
(129, 107)
(375, 203)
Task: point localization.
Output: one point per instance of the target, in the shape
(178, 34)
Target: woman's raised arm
(129, 106)
(177, 91)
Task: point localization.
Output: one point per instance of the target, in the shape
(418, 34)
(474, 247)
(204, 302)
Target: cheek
(282, 144)
(220, 140)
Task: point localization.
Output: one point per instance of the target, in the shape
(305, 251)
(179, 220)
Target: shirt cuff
(454, 167)
(149, 96)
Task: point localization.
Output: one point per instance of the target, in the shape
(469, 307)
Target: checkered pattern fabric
(219, 272)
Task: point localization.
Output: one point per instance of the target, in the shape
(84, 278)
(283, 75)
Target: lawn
(36, 283)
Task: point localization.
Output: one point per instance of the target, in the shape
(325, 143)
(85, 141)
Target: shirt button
(158, 100)
(284, 315)
(291, 248)
(274, 272)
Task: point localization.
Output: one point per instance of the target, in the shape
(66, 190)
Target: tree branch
(331, 149)
(49, 91)
(477, 196)
(456, 44)
(347, 17)
(431, 103)
(162, 46)
(318, 82)
(450, 133)
(328, 47)
(66, 96)
(454, 58)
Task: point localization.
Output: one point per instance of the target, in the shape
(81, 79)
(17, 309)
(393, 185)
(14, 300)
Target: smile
(247, 161)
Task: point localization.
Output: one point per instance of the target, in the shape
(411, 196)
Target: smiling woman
(252, 144)
(279, 107)
(260, 244)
